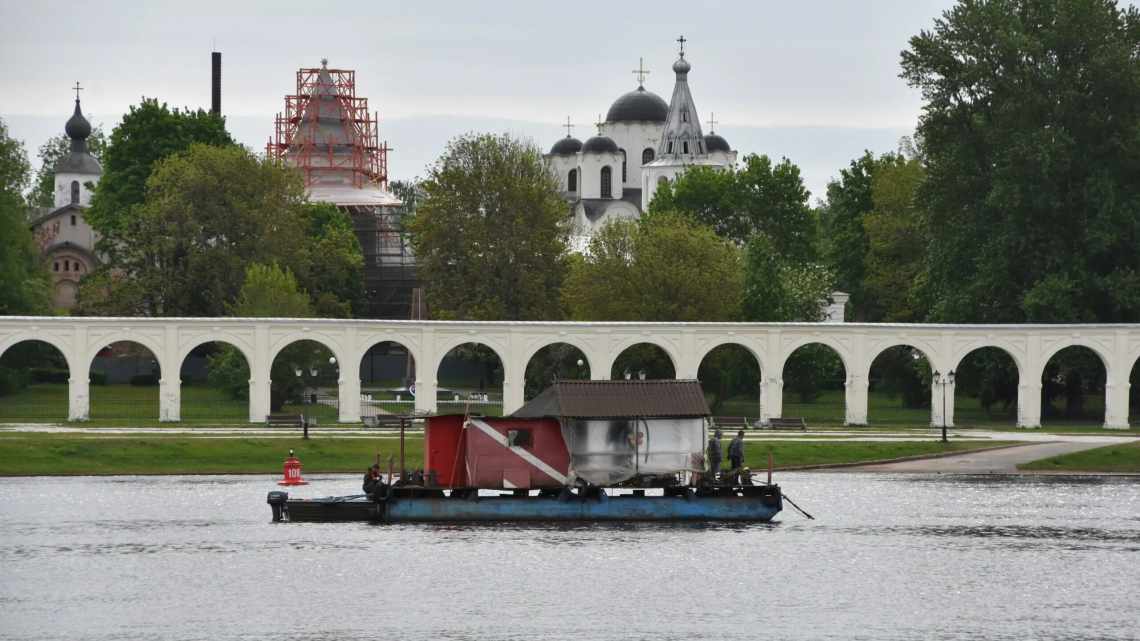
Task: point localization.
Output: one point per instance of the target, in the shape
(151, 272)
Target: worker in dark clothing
(714, 454)
(736, 451)
(736, 455)
(373, 484)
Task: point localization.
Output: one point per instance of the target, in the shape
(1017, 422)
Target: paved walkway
(998, 461)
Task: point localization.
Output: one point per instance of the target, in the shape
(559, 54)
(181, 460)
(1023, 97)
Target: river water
(888, 557)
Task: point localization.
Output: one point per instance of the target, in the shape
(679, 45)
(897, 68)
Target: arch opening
(33, 383)
(606, 182)
(214, 384)
(730, 379)
(124, 389)
(815, 385)
(557, 361)
(387, 380)
(1072, 388)
(305, 377)
(985, 388)
(643, 361)
(470, 379)
(899, 387)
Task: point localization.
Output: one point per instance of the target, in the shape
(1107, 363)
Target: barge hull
(504, 509)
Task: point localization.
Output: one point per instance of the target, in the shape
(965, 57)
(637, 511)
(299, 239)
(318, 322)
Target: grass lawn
(1114, 458)
(37, 454)
(66, 454)
(797, 453)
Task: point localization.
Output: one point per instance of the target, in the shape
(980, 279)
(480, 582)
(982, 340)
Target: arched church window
(572, 180)
(685, 147)
(607, 180)
(669, 149)
(684, 115)
(623, 178)
(75, 192)
(647, 156)
(55, 266)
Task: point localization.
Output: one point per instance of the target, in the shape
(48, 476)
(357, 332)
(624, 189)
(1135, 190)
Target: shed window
(73, 220)
(75, 192)
(519, 438)
(607, 182)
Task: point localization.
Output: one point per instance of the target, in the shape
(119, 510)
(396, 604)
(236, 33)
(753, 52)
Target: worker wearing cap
(714, 455)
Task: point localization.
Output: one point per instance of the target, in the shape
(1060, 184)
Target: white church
(642, 143)
(65, 239)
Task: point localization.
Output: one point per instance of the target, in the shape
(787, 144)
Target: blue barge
(757, 503)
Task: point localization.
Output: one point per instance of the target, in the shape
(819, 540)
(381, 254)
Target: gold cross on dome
(682, 40)
(568, 126)
(599, 124)
(712, 123)
(641, 72)
(77, 89)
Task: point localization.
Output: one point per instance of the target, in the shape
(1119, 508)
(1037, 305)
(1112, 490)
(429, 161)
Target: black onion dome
(714, 142)
(566, 146)
(600, 144)
(77, 127)
(638, 105)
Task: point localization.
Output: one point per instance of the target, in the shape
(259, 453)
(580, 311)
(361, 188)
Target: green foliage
(779, 289)
(812, 368)
(663, 268)
(1031, 137)
(558, 361)
(896, 241)
(845, 243)
(55, 148)
(26, 284)
(739, 203)
(210, 213)
(490, 233)
(728, 371)
(227, 370)
(149, 133)
(269, 291)
(334, 265)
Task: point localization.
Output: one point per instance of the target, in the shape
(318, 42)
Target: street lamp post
(944, 380)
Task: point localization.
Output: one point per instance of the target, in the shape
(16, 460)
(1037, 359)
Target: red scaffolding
(327, 132)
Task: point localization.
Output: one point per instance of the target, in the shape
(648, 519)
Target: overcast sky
(816, 81)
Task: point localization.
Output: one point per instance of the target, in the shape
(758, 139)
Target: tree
(267, 291)
(209, 213)
(845, 244)
(55, 148)
(26, 284)
(1031, 137)
(778, 289)
(896, 241)
(149, 133)
(738, 203)
(490, 234)
(662, 268)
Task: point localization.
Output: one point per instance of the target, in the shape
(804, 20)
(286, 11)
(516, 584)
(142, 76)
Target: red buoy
(292, 471)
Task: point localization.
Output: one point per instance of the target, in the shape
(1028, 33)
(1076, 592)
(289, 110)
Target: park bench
(384, 421)
(732, 422)
(285, 420)
(787, 423)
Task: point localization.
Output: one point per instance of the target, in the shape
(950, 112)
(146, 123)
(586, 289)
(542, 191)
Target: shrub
(49, 375)
(144, 380)
(98, 378)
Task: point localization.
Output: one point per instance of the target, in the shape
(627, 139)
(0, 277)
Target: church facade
(643, 143)
(66, 241)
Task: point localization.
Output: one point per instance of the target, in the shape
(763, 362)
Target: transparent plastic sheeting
(605, 452)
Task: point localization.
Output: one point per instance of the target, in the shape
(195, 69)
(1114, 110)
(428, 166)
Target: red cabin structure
(500, 453)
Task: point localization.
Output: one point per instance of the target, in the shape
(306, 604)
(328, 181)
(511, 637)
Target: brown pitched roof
(617, 399)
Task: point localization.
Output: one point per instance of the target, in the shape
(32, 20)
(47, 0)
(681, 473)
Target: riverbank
(37, 454)
(1124, 458)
